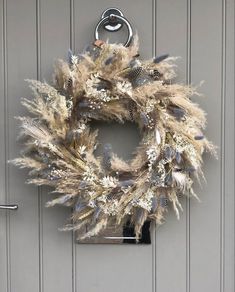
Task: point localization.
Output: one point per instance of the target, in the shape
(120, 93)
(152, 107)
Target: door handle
(9, 207)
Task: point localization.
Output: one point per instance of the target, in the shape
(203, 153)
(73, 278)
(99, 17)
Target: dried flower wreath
(109, 82)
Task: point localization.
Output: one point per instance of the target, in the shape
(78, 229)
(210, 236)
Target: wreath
(109, 82)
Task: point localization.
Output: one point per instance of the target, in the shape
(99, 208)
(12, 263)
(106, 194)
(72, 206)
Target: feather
(144, 78)
(132, 109)
(159, 59)
(82, 184)
(109, 60)
(134, 63)
(189, 169)
(144, 119)
(96, 215)
(83, 104)
(59, 201)
(180, 179)
(70, 83)
(126, 183)
(154, 204)
(178, 157)
(70, 54)
(93, 51)
(178, 112)
(154, 177)
(134, 73)
(169, 152)
(199, 137)
(168, 179)
(163, 201)
(157, 136)
(80, 206)
(156, 74)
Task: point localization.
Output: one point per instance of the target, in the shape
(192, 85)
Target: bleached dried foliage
(109, 82)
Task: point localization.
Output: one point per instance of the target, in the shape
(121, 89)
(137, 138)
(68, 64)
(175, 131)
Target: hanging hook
(112, 19)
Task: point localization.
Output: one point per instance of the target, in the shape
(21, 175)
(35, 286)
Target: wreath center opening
(122, 138)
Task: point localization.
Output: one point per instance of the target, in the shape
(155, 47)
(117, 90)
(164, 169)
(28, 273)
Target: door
(193, 254)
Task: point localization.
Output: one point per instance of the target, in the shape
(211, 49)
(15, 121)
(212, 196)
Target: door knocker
(112, 20)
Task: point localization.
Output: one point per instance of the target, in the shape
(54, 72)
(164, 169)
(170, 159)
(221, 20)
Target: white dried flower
(89, 175)
(144, 201)
(161, 173)
(183, 182)
(150, 104)
(51, 147)
(82, 149)
(111, 209)
(74, 59)
(81, 126)
(124, 87)
(91, 194)
(109, 182)
(152, 154)
(183, 146)
(103, 95)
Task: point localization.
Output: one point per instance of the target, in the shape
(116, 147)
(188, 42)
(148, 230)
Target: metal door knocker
(112, 20)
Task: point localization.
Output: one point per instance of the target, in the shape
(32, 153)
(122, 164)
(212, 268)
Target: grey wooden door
(193, 254)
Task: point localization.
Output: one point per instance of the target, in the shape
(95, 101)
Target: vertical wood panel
(171, 37)
(154, 227)
(72, 47)
(222, 146)
(3, 214)
(229, 148)
(205, 221)
(54, 37)
(21, 60)
(107, 267)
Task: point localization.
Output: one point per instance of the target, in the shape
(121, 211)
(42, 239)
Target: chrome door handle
(9, 207)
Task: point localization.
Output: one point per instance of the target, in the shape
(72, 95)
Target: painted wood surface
(193, 254)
